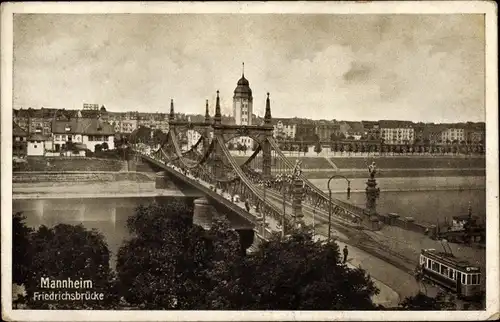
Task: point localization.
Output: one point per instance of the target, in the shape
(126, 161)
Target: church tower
(243, 101)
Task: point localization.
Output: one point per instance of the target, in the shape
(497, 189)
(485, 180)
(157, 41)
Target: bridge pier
(162, 180)
(203, 213)
(246, 239)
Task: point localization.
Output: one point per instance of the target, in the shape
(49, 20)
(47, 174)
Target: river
(427, 199)
(109, 215)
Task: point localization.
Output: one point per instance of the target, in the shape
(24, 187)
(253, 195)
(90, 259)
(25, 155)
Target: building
(453, 133)
(87, 132)
(371, 130)
(243, 107)
(326, 130)
(37, 144)
(475, 133)
(352, 130)
(305, 130)
(284, 128)
(428, 133)
(397, 132)
(19, 141)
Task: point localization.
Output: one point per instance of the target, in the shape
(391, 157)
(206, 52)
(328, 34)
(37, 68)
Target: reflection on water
(427, 206)
(108, 215)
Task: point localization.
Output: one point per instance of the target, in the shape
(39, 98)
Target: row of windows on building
(450, 273)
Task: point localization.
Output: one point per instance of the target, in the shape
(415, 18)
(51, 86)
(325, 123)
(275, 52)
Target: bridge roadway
(218, 196)
(389, 270)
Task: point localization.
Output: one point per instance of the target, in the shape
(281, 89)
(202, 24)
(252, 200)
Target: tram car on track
(451, 273)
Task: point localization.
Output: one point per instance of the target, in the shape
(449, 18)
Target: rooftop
(88, 126)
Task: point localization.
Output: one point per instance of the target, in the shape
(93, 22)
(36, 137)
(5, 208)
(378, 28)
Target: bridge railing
(317, 196)
(265, 205)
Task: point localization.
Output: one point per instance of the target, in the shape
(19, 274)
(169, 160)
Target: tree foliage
(21, 249)
(300, 274)
(70, 252)
(318, 148)
(422, 302)
(172, 264)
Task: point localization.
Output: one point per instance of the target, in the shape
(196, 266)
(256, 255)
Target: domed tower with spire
(243, 101)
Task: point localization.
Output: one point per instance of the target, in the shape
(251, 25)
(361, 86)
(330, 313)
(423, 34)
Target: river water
(109, 215)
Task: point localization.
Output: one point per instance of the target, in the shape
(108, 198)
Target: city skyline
(350, 67)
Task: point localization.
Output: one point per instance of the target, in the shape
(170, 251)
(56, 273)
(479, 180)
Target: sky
(427, 68)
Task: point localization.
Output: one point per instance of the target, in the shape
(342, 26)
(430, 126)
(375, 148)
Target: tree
(172, 264)
(70, 252)
(318, 148)
(104, 146)
(298, 273)
(21, 249)
(423, 302)
(98, 148)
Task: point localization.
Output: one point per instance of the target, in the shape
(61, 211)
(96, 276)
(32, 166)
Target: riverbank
(393, 173)
(339, 185)
(80, 176)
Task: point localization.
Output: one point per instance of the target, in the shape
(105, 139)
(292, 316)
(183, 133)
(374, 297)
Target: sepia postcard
(250, 161)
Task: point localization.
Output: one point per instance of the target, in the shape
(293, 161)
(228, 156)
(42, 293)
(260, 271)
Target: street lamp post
(284, 211)
(330, 200)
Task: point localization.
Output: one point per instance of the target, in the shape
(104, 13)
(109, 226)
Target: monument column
(266, 146)
(372, 194)
(218, 168)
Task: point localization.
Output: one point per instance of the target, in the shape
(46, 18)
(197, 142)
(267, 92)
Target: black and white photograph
(250, 161)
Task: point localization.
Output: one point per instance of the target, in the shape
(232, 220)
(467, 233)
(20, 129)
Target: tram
(454, 274)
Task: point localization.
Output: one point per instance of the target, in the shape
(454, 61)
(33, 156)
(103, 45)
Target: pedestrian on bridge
(247, 205)
(346, 252)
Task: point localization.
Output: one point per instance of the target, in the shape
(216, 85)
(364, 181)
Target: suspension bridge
(282, 196)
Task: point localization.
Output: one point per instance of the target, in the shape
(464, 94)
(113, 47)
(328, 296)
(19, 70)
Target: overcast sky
(349, 67)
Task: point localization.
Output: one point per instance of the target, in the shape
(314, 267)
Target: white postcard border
(361, 7)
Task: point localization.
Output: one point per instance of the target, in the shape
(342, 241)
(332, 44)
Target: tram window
(475, 279)
(463, 278)
(428, 263)
(444, 270)
(468, 279)
(435, 266)
(451, 273)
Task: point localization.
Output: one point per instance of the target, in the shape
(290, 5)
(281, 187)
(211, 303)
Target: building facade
(453, 134)
(397, 132)
(371, 130)
(284, 128)
(19, 141)
(243, 107)
(326, 130)
(85, 132)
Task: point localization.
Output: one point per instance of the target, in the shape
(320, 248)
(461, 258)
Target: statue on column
(372, 169)
(372, 193)
(296, 169)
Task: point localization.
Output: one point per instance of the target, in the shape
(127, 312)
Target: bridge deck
(202, 186)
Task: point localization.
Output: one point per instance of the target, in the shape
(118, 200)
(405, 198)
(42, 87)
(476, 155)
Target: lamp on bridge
(330, 200)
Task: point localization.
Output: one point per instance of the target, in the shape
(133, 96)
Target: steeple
(207, 115)
(267, 116)
(243, 70)
(217, 116)
(171, 117)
